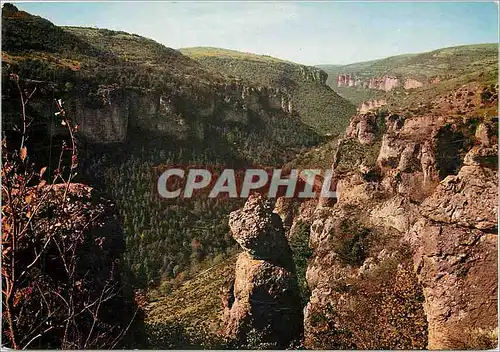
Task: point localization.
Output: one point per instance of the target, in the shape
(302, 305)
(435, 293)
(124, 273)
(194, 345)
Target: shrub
(61, 247)
(172, 335)
(350, 242)
(299, 243)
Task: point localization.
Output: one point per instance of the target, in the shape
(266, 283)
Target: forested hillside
(140, 106)
(317, 105)
(404, 256)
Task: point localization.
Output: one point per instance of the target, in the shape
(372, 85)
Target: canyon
(425, 261)
(405, 257)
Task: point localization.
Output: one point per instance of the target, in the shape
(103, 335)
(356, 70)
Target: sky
(305, 32)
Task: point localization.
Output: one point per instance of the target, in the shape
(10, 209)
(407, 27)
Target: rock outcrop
(384, 83)
(363, 127)
(265, 297)
(370, 105)
(411, 83)
(111, 112)
(358, 292)
(455, 253)
(313, 74)
(345, 80)
(428, 220)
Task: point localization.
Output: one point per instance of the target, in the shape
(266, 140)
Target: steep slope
(408, 252)
(316, 104)
(385, 78)
(141, 106)
(191, 315)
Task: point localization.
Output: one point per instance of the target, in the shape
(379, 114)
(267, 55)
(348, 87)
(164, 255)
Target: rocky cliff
(346, 80)
(426, 218)
(411, 83)
(264, 299)
(370, 105)
(314, 102)
(115, 111)
(110, 113)
(417, 70)
(384, 83)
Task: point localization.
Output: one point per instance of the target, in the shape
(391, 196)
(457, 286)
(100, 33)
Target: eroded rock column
(265, 292)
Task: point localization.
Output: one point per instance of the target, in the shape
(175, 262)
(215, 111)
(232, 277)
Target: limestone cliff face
(313, 74)
(363, 127)
(264, 299)
(108, 114)
(455, 256)
(370, 105)
(384, 83)
(411, 83)
(346, 80)
(420, 231)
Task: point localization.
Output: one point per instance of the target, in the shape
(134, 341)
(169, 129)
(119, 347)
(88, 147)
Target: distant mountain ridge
(202, 51)
(458, 59)
(428, 71)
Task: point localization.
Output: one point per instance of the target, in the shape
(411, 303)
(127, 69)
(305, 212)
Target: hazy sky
(305, 32)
